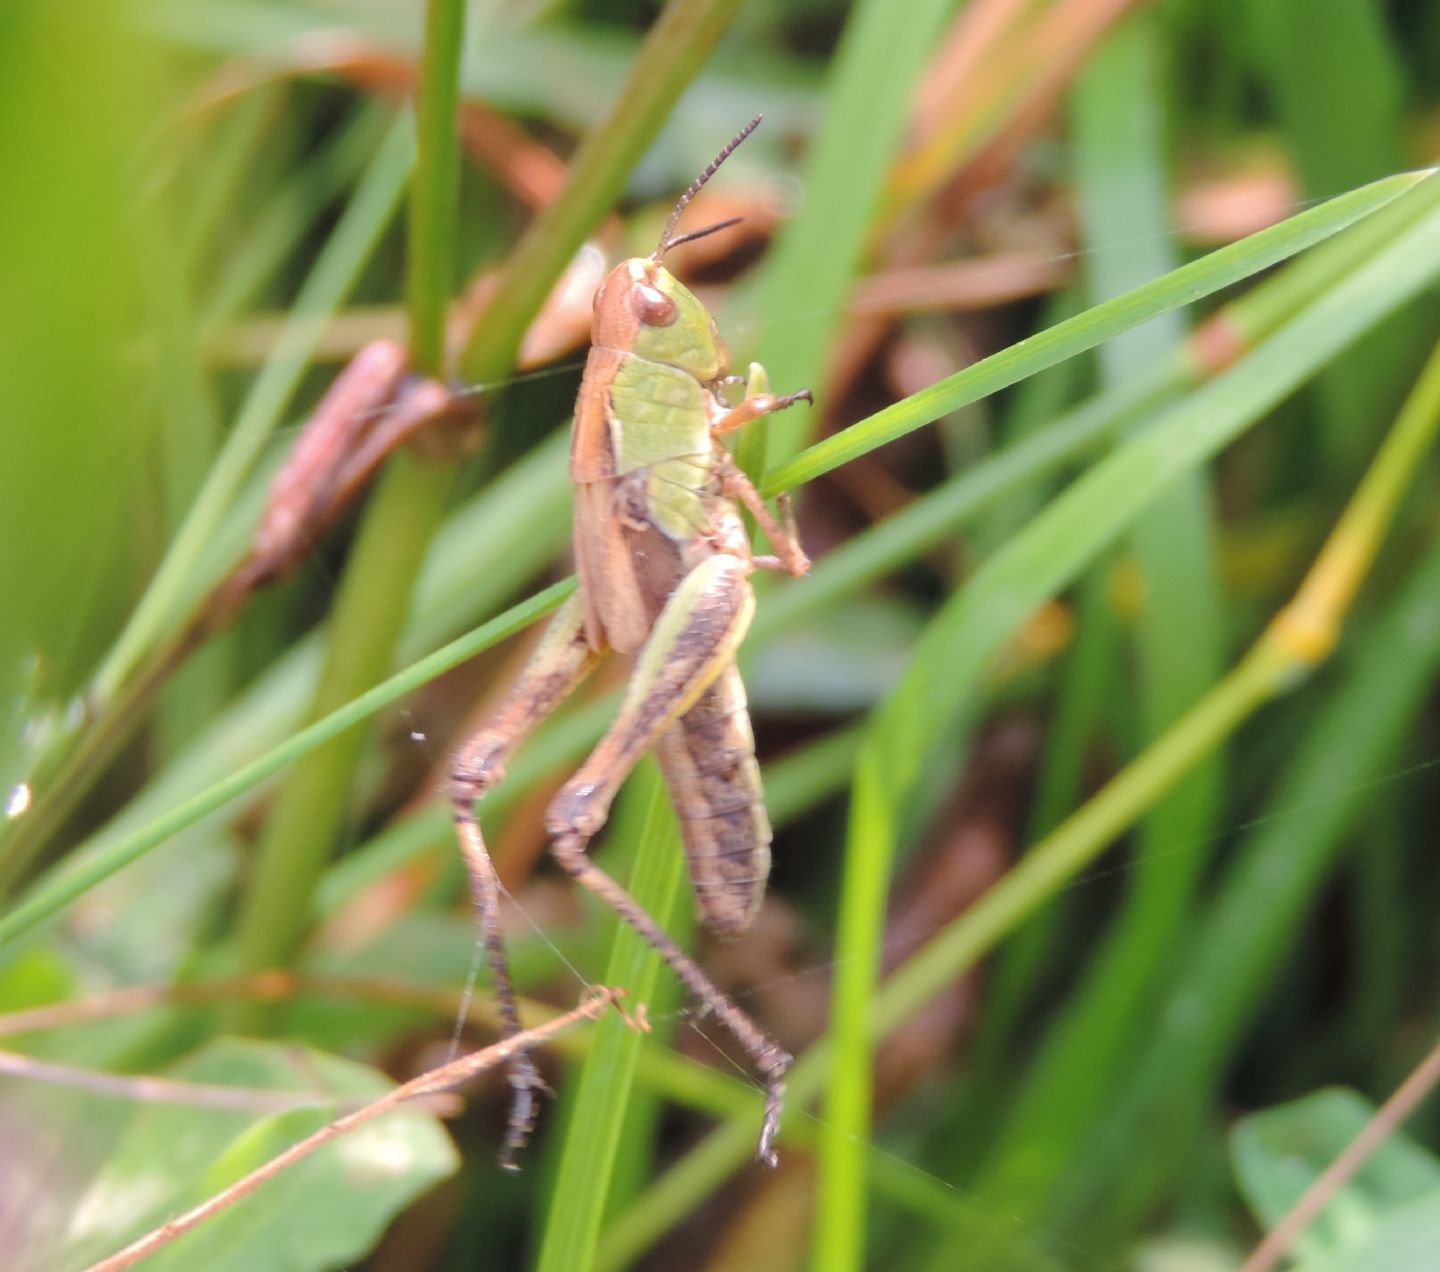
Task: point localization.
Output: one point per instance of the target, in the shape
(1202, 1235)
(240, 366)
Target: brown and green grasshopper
(664, 561)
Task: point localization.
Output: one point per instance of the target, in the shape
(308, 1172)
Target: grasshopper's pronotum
(664, 565)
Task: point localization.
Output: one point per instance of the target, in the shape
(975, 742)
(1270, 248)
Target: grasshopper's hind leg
(559, 663)
(692, 644)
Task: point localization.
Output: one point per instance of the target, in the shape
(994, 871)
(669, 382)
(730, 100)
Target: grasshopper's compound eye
(652, 306)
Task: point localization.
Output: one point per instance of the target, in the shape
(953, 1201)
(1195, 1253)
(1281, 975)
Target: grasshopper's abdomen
(708, 758)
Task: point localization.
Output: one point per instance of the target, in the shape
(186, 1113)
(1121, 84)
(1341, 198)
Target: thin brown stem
(1313, 1200)
(429, 1083)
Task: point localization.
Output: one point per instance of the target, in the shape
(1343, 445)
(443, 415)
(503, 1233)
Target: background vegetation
(1100, 743)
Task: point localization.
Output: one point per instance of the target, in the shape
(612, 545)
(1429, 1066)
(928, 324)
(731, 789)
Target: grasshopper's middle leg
(559, 663)
(783, 535)
(734, 484)
(693, 642)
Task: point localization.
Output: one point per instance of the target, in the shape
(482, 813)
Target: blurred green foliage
(1053, 529)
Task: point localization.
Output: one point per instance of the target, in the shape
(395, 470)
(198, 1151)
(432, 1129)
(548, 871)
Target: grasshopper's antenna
(704, 232)
(666, 241)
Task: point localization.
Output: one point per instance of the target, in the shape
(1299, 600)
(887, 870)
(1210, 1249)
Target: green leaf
(162, 1158)
(1404, 1240)
(1279, 1153)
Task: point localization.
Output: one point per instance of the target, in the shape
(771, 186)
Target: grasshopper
(663, 560)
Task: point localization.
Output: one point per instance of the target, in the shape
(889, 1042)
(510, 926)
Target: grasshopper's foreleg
(757, 404)
(693, 642)
(559, 663)
(758, 401)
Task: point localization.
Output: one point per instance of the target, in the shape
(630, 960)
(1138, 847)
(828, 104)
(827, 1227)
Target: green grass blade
(61, 887)
(1178, 648)
(578, 1200)
(335, 272)
(1209, 274)
(435, 193)
(1240, 944)
(290, 213)
(371, 606)
(821, 250)
(1237, 950)
(1339, 90)
(674, 50)
(1340, 93)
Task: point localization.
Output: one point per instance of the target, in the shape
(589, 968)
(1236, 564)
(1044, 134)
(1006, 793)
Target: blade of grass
(1178, 656)
(191, 436)
(1078, 722)
(71, 452)
(398, 526)
(588, 1162)
(867, 98)
(1338, 85)
(1116, 123)
(1236, 952)
(336, 269)
(430, 270)
(1339, 90)
(284, 220)
(65, 884)
(1209, 274)
(230, 146)
(60, 779)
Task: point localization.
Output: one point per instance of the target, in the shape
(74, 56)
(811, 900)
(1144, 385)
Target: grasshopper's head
(643, 308)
